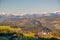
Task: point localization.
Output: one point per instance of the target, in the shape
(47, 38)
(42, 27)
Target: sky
(28, 6)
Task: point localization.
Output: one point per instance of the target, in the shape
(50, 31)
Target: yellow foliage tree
(55, 33)
(4, 29)
(31, 34)
(8, 28)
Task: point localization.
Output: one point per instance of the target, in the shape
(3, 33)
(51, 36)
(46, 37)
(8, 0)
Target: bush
(3, 38)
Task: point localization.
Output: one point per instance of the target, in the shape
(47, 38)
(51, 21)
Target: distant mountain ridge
(6, 16)
(31, 15)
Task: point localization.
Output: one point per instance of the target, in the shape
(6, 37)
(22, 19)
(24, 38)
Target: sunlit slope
(57, 26)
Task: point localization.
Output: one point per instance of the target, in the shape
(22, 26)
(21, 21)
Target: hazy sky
(29, 6)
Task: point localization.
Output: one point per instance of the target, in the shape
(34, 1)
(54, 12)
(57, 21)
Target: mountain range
(6, 16)
(35, 22)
